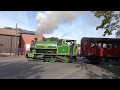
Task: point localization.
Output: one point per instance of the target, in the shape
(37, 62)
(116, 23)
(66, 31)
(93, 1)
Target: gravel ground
(20, 68)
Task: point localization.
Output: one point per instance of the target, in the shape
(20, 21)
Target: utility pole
(16, 40)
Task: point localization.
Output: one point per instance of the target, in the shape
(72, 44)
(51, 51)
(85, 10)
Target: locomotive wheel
(46, 59)
(40, 60)
(52, 60)
(65, 60)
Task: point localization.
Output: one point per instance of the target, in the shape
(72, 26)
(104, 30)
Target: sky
(83, 25)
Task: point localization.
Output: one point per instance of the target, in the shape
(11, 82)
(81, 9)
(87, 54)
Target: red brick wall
(26, 39)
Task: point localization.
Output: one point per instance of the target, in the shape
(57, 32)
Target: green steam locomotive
(52, 51)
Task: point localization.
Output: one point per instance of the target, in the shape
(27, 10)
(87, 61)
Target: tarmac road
(20, 68)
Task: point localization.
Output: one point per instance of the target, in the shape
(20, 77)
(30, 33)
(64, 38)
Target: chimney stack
(35, 39)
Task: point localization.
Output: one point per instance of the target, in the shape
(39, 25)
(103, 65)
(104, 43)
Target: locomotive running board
(60, 57)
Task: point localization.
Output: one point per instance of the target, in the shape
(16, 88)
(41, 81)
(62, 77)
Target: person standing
(78, 52)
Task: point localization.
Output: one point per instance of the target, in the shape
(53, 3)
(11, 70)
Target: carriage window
(118, 45)
(99, 45)
(68, 43)
(115, 46)
(92, 44)
(109, 45)
(104, 45)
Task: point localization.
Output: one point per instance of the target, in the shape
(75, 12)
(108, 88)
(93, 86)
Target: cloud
(83, 26)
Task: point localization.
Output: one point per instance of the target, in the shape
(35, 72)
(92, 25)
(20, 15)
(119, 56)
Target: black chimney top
(35, 39)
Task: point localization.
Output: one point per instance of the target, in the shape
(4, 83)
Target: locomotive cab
(71, 44)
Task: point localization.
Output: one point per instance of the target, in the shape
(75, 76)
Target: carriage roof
(100, 39)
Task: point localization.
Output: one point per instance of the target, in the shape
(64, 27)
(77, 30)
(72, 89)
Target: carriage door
(92, 48)
(85, 47)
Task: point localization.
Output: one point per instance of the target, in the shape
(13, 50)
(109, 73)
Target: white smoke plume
(65, 34)
(48, 21)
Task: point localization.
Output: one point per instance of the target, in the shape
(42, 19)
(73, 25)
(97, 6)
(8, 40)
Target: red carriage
(95, 49)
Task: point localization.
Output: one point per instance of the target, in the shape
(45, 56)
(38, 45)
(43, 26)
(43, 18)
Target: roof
(68, 40)
(100, 39)
(27, 32)
(8, 32)
(13, 32)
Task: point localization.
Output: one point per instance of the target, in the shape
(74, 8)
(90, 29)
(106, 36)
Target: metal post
(11, 46)
(16, 39)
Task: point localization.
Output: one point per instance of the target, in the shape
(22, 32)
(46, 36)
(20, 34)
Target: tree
(44, 39)
(117, 34)
(110, 21)
(59, 41)
(51, 39)
(13, 28)
(8, 28)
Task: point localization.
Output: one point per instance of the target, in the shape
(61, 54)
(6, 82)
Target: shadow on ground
(95, 71)
(20, 70)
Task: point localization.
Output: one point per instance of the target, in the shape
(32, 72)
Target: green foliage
(51, 39)
(110, 21)
(12, 28)
(44, 39)
(59, 41)
(118, 34)
(8, 28)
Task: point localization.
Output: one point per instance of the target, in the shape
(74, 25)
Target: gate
(8, 45)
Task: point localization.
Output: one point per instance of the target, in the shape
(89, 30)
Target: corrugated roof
(8, 32)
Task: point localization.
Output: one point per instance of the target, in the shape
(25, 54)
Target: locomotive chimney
(35, 39)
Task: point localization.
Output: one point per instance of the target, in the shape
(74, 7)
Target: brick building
(10, 45)
(25, 40)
